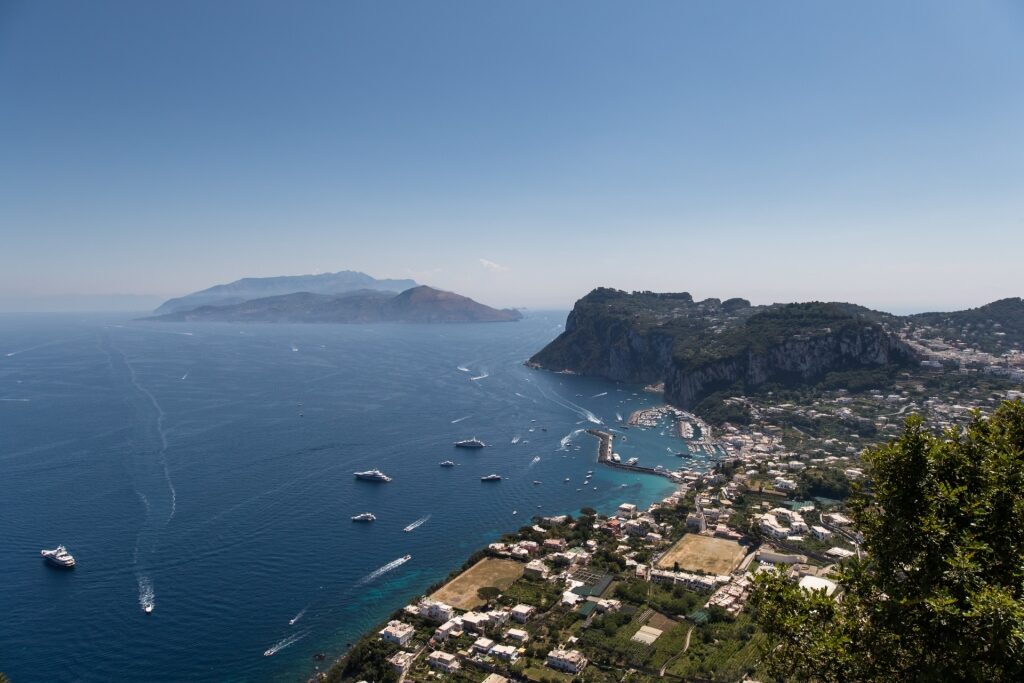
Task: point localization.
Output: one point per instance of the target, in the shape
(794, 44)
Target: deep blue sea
(206, 469)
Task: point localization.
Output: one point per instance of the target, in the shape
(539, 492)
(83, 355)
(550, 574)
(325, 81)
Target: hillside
(416, 305)
(698, 348)
(261, 287)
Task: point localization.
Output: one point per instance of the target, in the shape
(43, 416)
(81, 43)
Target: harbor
(605, 457)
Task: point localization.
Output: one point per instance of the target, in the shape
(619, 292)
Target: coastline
(604, 452)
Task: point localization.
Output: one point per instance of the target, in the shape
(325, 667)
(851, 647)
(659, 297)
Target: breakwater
(604, 456)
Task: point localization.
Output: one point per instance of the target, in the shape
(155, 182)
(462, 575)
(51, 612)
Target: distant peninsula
(251, 288)
(418, 304)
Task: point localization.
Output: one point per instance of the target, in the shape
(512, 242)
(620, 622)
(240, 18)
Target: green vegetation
(939, 595)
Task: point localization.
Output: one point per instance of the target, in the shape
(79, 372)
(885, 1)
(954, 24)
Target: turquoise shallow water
(208, 469)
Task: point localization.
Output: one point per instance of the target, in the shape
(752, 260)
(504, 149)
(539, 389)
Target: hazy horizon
(518, 154)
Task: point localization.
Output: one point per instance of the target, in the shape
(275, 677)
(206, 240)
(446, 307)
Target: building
(816, 583)
(517, 634)
(535, 569)
(556, 544)
(401, 661)
(821, 533)
(483, 645)
(436, 611)
(448, 629)
(443, 661)
(569, 661)
(506, 653)
(495, 678)
(627, 510)
(397, 633)
(475, 621)
(522, 613)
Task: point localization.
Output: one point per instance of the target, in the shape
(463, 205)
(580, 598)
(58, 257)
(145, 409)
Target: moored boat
(59, 557)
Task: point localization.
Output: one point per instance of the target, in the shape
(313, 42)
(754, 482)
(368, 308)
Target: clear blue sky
(517, 152)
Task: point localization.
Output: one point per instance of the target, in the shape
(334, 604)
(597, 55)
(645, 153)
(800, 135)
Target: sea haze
(206, 469)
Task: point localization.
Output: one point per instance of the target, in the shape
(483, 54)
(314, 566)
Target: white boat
(491, 477)
(470, 443)
(447, 463)
(632, 461)
(364, 517)
(536, 482)
(373, 475)
(59, 557)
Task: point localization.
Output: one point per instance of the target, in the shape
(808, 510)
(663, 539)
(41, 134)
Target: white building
(443, 661)
(506, 653)
(397, 633)
(569, 661)
(522, 613)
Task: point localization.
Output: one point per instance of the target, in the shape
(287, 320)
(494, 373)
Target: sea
(205, 471)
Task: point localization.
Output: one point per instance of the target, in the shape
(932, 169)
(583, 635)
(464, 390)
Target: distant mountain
(261, 287)
(420, 304)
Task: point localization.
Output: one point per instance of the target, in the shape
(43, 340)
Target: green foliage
(939, 595)
(488, 593)
(366, 660)
(826, 483)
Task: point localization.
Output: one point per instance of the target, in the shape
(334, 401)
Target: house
(475, 622)
(443, 661)
(401, 661)
(517, 634)
(495, 678)
(522, 613)
(506, 653)
(436, 611)
(447, 629)
(821, 533)
(535, 569)
(627, 510)
(696, 521)
(397, 633)
(569, 661)
(556, 544)
(498, 617)
(483, 645)
(816, 583)
(836, 519)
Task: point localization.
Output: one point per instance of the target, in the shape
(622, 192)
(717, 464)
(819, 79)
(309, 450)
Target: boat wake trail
(291, 622)
(147, 595)
(377, 573)
(479, 377)
(162, 431)
(566, 441)
(460, 419)
(415, 525)
(284, 642)
(462, 368)
(569, 405)
(603, 393)
(536, 459)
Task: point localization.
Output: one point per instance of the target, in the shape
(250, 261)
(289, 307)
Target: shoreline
(604, 453)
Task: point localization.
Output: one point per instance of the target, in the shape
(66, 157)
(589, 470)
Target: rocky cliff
(697, 348)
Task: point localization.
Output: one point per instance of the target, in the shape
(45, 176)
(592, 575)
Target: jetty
(604, 457)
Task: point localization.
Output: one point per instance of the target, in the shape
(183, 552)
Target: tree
(939, 593)
(488, 593)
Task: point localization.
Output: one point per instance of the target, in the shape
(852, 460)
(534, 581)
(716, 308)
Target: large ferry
(59, 557)
(491, 477)
(373, 475)
(470, 443)
(364, 517)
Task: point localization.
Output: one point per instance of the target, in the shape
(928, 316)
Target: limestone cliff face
(606, 346)
(698, 348)
(796, 360)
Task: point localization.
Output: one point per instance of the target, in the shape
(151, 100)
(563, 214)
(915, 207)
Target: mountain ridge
(420, 304)
(250, 288)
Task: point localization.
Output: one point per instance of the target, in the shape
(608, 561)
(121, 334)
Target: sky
(521, 153)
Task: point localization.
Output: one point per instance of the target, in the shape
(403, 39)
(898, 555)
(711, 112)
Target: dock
(604, 457)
